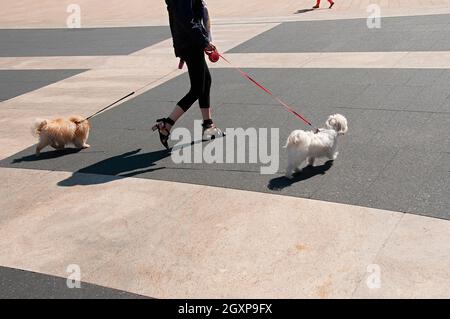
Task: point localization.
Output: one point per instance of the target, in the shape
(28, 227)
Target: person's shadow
(128, 164)
(308, 172)
(303, 11)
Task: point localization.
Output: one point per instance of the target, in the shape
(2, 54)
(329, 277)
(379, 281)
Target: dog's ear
(331, 123)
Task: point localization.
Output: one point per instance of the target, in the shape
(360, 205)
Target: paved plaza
(139, 225)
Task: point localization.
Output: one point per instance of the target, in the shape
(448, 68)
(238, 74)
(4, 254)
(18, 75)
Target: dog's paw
(86, 146)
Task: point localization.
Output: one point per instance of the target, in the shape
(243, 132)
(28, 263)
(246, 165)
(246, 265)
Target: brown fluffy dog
(60, 132)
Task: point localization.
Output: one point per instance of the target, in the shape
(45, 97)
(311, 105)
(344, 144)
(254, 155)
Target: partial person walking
(318, 4)
(190, 28)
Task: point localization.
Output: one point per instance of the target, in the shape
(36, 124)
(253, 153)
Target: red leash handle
(212, 54)
(285, 105)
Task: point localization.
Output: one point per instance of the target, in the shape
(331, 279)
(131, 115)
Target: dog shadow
(308, 172)
(46, 155)
(128, 164)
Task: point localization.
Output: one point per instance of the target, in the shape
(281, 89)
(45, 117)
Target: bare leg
(206, 113)
(311, 161)
(175, 115)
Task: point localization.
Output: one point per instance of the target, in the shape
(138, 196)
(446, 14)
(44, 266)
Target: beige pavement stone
(19, 192)
(129, 234)
(440, 60)
(266, 60)
(417, 60)
(358, 60)
(52, 13)
(55, 63)
(157, 64)
(415, 262)
(124, 233)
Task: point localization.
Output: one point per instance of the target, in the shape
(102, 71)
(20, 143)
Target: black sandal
(161, 127)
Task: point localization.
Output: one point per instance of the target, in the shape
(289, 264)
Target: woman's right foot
(210, 131)
(163, 130)
(316, 7)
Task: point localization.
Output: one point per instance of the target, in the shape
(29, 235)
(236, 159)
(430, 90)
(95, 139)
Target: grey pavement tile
(400, 98)
(22, 284)
(444, 79)
(407, 181)
(425, 77)
(356, 167)
(82, 41)
(17, 82)
(387, 153)
(414, 33)
(432, 99)
(371, 96)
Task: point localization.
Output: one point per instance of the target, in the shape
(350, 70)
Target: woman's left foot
(331, 5)
(164, 132)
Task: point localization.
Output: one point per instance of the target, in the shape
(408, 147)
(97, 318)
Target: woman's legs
(200, 79)
(174, 116)
(204, 99)
(206, 114)
(318, 4)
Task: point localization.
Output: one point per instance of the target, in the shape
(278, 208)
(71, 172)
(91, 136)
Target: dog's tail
(77, 119)
(297, 138)
(37, 126)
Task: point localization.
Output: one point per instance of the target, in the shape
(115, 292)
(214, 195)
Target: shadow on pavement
(303, 11)
(46, 155)
(125, 165)
(306, 173)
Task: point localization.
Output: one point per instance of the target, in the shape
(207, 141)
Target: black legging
(200, 80)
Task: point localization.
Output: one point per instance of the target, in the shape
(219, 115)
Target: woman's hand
(210, 48)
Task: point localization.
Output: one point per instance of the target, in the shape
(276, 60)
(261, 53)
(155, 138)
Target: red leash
(285, 105)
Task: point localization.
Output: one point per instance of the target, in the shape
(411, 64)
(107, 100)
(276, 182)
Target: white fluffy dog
(302, 145)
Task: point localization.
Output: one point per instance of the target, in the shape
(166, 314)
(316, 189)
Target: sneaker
(210, 131)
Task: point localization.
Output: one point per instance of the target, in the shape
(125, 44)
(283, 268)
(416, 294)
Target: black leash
(105, 108)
